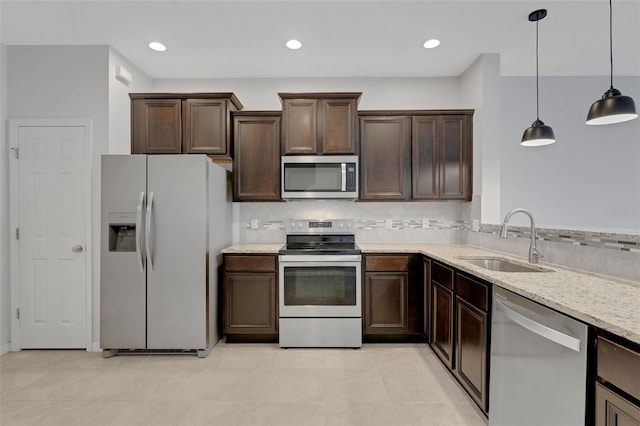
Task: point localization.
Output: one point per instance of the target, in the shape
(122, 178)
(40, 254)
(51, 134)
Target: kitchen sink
(502, 265)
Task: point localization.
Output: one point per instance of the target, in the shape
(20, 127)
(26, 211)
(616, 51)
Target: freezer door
(122, 278)
(177, 252)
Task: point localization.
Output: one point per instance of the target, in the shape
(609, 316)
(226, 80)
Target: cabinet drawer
(442, 275)
(250, 263)
(387, 263)
(472, 291)
(619, 366)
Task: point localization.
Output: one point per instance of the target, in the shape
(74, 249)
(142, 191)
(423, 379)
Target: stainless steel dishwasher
(538, 364)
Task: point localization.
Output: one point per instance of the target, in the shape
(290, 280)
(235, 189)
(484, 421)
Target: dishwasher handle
(541, 330)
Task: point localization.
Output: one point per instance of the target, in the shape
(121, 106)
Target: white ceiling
(341, 38)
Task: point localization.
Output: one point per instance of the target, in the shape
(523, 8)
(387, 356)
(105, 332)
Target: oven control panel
(320, 226)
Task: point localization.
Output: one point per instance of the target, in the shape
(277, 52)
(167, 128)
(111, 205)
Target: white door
(52, 242)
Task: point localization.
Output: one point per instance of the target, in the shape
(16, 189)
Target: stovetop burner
(312, 237)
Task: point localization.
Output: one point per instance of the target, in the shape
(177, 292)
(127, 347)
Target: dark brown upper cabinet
(256, 164)
(319, 123)
(416, 155)
(182, 123)
(385, 158)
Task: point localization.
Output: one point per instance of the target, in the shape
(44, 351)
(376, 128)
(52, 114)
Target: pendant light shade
(613, 107)
(538, 134)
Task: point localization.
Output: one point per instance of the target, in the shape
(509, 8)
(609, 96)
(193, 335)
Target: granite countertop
(605, 302)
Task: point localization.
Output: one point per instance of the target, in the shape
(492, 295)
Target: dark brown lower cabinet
(392, 298)
(460, 328)
(614, 410)
(249, 299)
(387, 302)
(618, 383)
(471, 350)
(442, 323)
(442, 304)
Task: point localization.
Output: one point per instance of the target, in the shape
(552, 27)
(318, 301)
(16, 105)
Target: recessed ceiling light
(294, 44)
(157, 46)
(430, 44)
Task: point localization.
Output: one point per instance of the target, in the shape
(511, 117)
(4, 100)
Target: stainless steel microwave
(323, 177)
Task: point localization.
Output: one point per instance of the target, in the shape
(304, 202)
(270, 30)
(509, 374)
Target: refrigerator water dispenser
(122, 232)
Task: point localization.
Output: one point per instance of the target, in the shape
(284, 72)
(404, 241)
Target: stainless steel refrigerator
(165, 219)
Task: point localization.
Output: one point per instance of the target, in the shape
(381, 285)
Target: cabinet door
(299, 126)
(455, 157)
(426, 288)
(250, 303)
(442, 323)
(471, 350)
(613, 410)
(337, 119)
(386, 302)
(425, 170)
(256, 166)
(156, 126)
(385, 158)
(205, 124)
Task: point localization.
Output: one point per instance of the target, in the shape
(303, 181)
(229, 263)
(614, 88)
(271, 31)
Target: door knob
(77, 249)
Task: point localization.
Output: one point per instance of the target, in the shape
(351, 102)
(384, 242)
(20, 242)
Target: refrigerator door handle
(541, 330)
(139, 233)
(147, 232)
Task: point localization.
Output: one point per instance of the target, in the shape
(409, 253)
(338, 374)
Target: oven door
(320, 286)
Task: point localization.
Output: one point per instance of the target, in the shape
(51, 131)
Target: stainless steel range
(320, 285)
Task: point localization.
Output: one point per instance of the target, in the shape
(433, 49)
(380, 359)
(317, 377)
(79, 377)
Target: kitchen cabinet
(416, 155)
(617, 387)
(319, 123)
(256, 164)
(426, 291)
(442, 305)
(460, 328)
(392, 298)
(471, 337)
(385, 159)
(249, 298)
(182, 123)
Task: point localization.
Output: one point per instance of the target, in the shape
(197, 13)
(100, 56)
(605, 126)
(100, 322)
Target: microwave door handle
(343, 188)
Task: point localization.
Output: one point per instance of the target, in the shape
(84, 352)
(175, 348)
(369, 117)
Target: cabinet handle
(541, 330)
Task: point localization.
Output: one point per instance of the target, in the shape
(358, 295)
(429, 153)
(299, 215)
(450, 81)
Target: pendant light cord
(537, 84)
(611, 40)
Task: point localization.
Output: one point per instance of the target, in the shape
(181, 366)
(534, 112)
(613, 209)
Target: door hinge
(17, 152)
(17, 313)
(17, 233)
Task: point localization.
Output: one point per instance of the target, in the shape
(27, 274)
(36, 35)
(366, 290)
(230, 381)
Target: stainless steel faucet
(534, 253)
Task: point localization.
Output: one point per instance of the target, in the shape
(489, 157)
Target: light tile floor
(237, 384)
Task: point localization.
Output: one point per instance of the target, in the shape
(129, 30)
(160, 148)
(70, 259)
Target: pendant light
(538, 134)
(614, 107)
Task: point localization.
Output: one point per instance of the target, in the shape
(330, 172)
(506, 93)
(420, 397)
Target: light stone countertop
(257, 248)
(605, 302)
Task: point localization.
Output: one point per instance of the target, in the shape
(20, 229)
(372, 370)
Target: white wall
(65, 82)
(377, 93)
(5, 301)
(480, 88)
(120, 103)
(590, 178)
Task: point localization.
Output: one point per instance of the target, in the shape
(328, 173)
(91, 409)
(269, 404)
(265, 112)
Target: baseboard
(95, 347)
(4, 348)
